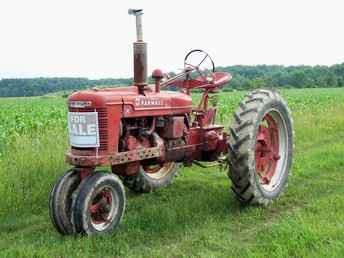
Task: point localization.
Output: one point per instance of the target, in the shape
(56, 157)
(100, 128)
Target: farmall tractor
(144, 133)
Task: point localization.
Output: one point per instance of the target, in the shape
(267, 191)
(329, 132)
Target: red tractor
(144, 133)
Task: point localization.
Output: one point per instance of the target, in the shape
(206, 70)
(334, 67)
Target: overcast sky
(94, 38)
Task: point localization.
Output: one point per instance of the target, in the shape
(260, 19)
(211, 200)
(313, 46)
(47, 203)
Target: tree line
(250, 77)
(244, 77)
(42, 86)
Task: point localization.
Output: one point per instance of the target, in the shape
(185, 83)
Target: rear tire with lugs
(151, 177)
(260, 147)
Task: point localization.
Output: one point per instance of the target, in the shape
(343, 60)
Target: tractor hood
(103, 97)
(151, 103)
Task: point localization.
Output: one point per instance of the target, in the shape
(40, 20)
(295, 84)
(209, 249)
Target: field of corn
(196, 216)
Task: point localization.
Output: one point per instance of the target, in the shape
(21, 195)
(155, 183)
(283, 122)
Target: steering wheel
(200, 61)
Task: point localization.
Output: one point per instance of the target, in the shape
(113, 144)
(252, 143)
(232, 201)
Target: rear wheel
(99, 205)
(151, 177)
(260, 147)
(60, 202)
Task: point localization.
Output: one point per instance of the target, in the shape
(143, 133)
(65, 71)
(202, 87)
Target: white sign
(83, 129)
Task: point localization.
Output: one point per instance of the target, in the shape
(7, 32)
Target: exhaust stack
(140, 52)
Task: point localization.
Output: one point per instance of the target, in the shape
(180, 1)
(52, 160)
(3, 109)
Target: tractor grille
(102, 122)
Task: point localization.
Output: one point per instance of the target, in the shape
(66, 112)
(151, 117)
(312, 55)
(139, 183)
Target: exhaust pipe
(140, 52)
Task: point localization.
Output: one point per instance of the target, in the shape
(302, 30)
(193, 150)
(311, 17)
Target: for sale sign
(83, 129)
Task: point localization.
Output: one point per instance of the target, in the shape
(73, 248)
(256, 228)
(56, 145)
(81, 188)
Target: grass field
(197, 216)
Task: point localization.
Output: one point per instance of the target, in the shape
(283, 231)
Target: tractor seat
(218, 79)
(221, 78)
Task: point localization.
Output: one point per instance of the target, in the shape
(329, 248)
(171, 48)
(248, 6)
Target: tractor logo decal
(148, 102)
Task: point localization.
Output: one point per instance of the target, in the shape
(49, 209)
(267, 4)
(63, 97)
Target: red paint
(174, 127)
(157, 74)
(100, 207)
(131, 142)
(267, 149)
(217, 80)
(115, 104)
(129, 121)
(211, 138)
(139, 124)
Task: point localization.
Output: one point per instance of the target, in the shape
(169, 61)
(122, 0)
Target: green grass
(197, 216)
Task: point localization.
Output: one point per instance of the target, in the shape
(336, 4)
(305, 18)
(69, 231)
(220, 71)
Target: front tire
(100, 204)
(260, 147)
(60, 202)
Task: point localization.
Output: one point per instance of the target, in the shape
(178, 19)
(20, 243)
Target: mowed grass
(197, 216)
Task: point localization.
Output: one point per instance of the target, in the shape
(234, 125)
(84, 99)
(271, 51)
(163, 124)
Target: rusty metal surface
(124, 157)
(211, 140)
(174, 127)
(119, 158)
(157, 75)
(176, 150)
(140, 63)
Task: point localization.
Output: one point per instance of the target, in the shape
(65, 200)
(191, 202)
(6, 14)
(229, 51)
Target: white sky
(94, 38)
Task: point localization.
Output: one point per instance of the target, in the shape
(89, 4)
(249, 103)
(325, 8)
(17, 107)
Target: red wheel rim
(101, 207)
(267, 149)
(158, 171)
(152, 169)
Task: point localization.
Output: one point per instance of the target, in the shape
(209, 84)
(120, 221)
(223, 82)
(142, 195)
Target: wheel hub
(267, 149)
(100, 208)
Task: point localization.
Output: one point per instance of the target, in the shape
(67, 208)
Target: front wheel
(260, 147)
(99, 205)
(60, 202)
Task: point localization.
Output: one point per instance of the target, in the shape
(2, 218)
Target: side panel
(195, 143)
(156, 104)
